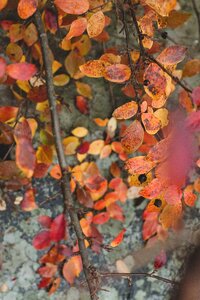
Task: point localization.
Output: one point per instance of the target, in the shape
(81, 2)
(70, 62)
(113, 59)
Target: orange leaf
(139, 165)
(132, 137)
(8, 112)
(28, 203)
(172, 194)
(77, 28)
(101, 218)
(21, 71)
(172, 55)
(73, 7)
(47, 271)
(94, 68)
(118, 239)
(158, 83)
(126, 111)
(72, 268)
(3, 4)
(118, 73)
(191, 68)
(162, 7)
(170, 216)
(25, 154)
(151, 123)
(96, 24)
(26, 8)
(101, 122)
(2, 67)
(189, 196)
(152, 190)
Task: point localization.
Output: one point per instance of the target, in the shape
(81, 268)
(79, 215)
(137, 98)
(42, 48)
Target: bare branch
(65, 181)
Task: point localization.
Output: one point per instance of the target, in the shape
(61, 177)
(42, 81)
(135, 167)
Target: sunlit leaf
(3, 4)
(101, 218)
(162, 7)
(152, 190)
(61, 79)
(8, 112)
(170, 216)
(80, 132)
(126, 111)
(172, 195)
(96, 147)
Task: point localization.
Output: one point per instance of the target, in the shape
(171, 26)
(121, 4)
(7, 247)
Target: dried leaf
(172, 55)
(151, 123)
(94, 68)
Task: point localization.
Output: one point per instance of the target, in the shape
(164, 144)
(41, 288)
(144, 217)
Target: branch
(146, 55)
(129, 275)
(91, 274)
(197, 13)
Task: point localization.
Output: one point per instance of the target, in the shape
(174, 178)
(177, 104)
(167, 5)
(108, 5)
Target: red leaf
(2, 67)
(40, 170)
(82, 105)
(83, 148)
(45, 282)
(8, 112)
(58, 228)
(42, 240)
(45, 221)
(48, 271)
(21, 71)
(101, 218)
(160, 260)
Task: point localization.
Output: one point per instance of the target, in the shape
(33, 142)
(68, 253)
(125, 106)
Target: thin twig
(65, 181)
(129, 275)
(146, 55)
(197, 13)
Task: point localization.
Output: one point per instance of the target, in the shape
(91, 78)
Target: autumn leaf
(118, 73)
(77, 27)
(172, 195)
(170, 215)
(152, 190)
(8, 112)
(172, 55)
(42, 240)
(101, 218)
(82, 105)
(21, 71)
(126, 111)
(160, 260)
(26, 8)
(58, 228)
(25, 154)
(191, 68)
(139, 165)
(3, 4)
(133, 137)
(162, 7)
(73, 7)
(45, 221)
(151, 123)
(96, 24)
(118, 239)
(28, 203)
(2, 67)
(94, 68)
(72, 269)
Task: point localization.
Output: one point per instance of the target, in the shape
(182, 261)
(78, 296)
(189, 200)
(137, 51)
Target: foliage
(158, 148)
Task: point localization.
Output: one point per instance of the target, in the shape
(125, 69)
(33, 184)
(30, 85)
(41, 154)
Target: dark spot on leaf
(158, 203)
(142, 178)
